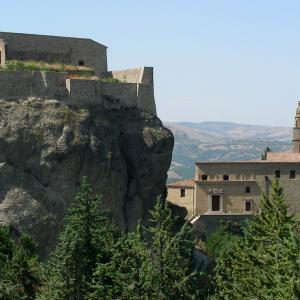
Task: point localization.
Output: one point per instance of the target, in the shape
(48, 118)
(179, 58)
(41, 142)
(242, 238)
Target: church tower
(296, 131)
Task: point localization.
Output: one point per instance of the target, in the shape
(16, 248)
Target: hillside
(221, 141)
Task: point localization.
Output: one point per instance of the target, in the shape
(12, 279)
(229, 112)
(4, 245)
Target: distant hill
(221, 141)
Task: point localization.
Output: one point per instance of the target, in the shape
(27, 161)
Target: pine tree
(266, 263)
(85, 241)
(19, 267)
(123, 276)
(170, 272)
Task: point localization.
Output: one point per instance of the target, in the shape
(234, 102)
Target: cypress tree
(266, 263)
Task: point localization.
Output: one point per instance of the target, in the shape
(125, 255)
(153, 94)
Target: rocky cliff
(47, 146)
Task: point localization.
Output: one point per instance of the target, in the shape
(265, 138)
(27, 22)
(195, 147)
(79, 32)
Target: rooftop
(283, 157)
(183, 183)
(287, 159)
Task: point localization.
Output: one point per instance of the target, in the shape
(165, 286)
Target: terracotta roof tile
(183, 183)
(283, 157)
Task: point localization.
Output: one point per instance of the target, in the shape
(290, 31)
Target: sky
(235, 61)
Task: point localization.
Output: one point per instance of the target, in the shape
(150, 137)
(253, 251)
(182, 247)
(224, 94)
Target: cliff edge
(47, 146)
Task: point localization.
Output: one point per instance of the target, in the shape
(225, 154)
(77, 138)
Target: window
(292, 174)
(277, 173)
(248, 189)
(204, 177)
(182, 193)
(225, 177)
(0, 57)
(248, 205)
(81, 63)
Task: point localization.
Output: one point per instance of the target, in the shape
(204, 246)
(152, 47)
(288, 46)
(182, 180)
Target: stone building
(54, 49)
(234, 188)
(114, 89)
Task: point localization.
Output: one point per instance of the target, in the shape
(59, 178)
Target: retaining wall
(23, 84)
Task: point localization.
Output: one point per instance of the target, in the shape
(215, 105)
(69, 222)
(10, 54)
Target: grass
(71, 70)
(110, 80)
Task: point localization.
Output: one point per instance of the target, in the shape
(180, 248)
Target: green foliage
(76, 71)
(110, 80)
(123, 277)
(170, 269)
(150, 263)
(265, 154)
(223, 239)
(266, 263)
(19, 267)
(86, 240)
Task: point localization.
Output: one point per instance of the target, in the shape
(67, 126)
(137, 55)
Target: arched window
(81, 63)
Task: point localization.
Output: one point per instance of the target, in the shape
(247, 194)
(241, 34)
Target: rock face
(47, 146)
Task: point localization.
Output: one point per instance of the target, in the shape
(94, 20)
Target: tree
(265, 154)
(86, 240)
(150, 263)
(123, 277)
(266, 263)
(170, 271)
(19, 267)
(223, 238)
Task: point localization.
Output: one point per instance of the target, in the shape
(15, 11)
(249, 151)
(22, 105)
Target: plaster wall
(257, 176)
(187, 201)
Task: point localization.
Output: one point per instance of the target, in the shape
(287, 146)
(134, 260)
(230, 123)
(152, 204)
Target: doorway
(215, 202)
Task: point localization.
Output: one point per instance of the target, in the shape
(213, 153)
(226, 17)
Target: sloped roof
(283, 157)
(182, 183)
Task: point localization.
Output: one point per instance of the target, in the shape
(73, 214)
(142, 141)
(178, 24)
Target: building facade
(235, 188)
(54, 49)
(130, 88)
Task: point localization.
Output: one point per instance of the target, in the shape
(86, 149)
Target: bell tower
(296, 131)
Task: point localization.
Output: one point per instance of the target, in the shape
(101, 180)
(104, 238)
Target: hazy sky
(214, 60)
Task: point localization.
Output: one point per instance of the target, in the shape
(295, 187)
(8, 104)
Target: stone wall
(54, 49)
(138, 75)
(205, 225)
(2, 53)
(24, 84)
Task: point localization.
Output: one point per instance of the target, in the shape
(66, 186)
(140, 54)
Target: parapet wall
(24, 84)
(142, 75)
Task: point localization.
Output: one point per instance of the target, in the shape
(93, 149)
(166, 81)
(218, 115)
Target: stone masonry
(132, 87)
